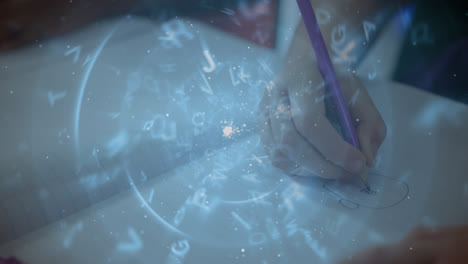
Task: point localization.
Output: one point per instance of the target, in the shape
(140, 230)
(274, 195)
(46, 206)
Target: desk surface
(229, 205)
(76, 108)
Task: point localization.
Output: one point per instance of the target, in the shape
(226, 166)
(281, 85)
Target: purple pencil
(328, 73)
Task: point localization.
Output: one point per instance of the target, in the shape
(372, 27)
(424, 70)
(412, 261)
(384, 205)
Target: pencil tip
(365, 178)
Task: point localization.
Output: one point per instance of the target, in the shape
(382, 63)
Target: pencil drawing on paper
(385, 192)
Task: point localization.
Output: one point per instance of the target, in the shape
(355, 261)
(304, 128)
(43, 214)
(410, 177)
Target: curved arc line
(260, 197)
(81, 93)
(151, 210)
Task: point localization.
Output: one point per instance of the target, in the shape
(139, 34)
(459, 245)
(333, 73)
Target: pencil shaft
(327, 71)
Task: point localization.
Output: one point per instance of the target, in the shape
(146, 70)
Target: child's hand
(444, 245)
(299, 138)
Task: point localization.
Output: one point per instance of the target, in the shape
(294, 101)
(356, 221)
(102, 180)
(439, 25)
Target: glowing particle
(229, 130)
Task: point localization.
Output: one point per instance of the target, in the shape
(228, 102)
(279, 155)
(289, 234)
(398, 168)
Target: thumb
(371, 136)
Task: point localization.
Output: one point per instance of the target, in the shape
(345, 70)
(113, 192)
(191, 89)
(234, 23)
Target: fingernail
(357, 165)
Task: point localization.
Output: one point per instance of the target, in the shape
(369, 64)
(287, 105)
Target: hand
(421, 246)
(299, 138)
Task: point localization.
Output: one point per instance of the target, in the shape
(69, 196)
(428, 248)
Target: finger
(282, 162)
(371, 136)
(278, 159)
(310, 120)
(294, 146)
(371, 128)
